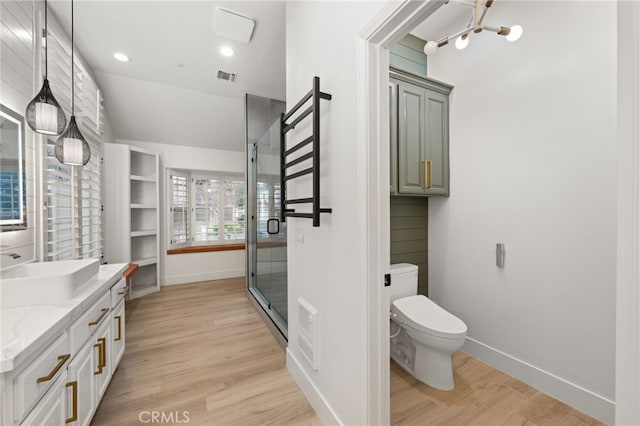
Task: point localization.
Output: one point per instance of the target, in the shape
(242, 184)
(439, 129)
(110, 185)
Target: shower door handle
(269, 226)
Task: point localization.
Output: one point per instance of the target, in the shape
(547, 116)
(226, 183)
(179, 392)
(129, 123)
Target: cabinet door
(411, 148)
(52, 408)
(83, 401)
(117, 333)
(393, 136)
(101, 350)
(437, 142)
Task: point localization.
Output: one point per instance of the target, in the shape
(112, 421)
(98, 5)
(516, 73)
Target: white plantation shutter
(74, 193)
(206, 224)
(179, 209)
(59, 207)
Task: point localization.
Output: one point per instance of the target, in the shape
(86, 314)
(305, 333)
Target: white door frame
(386, 29)
(628, 255)
(395, 21)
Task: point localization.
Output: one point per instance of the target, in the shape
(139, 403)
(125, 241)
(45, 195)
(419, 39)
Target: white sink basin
(45, 283)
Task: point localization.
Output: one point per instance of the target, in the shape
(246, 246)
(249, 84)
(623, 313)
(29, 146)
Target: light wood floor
(202, 348)
(483, 396)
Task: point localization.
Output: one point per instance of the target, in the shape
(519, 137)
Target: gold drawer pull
(430, 164)
(124, 291)
(74, 415)
(96, 322)
(119, 319)
(104, 350)
(61, 360)
(102, 342)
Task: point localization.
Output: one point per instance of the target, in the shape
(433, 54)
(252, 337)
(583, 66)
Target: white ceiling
(152, 98)
(447, 20)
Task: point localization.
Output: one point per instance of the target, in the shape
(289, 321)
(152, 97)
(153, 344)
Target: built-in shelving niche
(133, 220)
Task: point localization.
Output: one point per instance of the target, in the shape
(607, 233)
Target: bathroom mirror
(13, 194)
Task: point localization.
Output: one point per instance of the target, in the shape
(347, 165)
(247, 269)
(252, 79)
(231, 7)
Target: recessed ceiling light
(227, 51)
(121, 57)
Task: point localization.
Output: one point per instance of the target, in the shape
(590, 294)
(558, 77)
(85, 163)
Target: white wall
(185, 268)
(327, 269)
(533, 165)
(16, 91)
(148, 111)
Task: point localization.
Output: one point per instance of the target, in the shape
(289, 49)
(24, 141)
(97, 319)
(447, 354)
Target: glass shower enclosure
(266, 234)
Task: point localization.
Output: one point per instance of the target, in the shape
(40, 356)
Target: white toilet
(423, 334)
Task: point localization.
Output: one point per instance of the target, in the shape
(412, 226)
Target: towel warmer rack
(314, 155)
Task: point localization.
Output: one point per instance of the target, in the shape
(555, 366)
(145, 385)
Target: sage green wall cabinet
(422, 136)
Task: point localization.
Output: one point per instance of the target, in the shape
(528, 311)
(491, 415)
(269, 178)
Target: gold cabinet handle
(101, 355)
(61, 360)
(424, 174)
(74, 389)
(119, 319)
(103, 340)
(96, 322)
(430, 167)
(123, 291)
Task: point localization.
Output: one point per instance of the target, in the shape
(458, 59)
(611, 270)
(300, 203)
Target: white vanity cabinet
(102, 344)
(52, 409)
(61, 379)
(80, 378)
(117, 333)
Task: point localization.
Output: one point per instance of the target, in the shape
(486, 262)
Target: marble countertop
(26, 329)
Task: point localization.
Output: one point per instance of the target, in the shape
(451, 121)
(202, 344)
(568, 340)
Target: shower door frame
(274, 321)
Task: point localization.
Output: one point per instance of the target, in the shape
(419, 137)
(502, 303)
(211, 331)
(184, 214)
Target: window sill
(204, 249)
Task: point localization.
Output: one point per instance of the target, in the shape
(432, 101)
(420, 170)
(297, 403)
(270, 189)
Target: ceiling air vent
(229, 76)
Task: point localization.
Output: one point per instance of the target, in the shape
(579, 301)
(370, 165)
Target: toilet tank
(404, 281)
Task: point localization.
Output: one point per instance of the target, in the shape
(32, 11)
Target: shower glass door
(267, 237)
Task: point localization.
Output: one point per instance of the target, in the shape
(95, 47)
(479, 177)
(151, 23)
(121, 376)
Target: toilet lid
(420, 313)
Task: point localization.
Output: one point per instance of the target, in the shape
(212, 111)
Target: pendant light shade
(71, 147)
(44, 114)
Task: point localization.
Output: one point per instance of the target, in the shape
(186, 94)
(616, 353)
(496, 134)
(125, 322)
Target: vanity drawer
(38, 377)
(89, 322)
(118, 292)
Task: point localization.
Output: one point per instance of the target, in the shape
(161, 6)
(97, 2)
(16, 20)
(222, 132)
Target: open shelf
(143, 192)
(145, 261)
(143, 206)
(143, 220)
(143, 233)
(140, 291)
(143, 164)
(142, 178)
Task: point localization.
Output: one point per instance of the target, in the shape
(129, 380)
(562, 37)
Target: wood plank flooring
(483, 396)
(203, 349)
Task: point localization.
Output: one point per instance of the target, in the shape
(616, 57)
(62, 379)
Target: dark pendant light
(43, 113)
(71, 147)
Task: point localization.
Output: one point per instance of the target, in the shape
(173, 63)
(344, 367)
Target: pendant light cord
(73, 85)
(46, 42)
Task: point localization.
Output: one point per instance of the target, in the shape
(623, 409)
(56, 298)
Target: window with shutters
(205, 209)
(74, 225)
(179, 209)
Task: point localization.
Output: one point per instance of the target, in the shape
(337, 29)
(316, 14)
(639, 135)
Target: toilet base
(433, 368)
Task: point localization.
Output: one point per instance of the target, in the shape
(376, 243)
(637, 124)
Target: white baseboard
(315, 398)
(203, 276)
(571, 394)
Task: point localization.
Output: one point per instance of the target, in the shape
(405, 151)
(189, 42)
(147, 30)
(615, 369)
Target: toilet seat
(421, 314)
